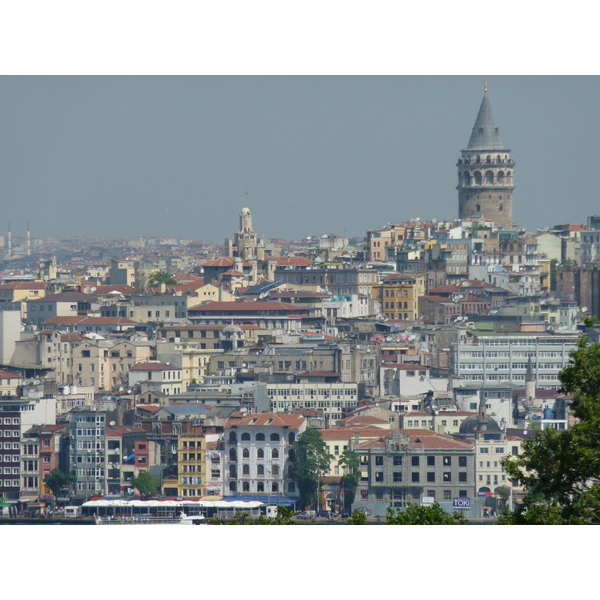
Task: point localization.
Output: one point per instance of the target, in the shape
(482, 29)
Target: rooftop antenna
(485, 88)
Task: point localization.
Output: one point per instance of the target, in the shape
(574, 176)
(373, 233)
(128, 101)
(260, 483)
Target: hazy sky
(127, 156)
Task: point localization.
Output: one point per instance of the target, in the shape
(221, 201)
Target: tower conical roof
(485, 135)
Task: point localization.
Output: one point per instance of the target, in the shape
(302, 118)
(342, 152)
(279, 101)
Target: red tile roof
(278, 419)
(246, 306)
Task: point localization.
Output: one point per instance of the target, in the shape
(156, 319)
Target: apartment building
(497, 358)
(398, 296)
(87, 453)
(258, 452)
(406, 466)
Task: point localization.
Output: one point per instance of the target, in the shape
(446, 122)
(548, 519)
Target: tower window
(500, 208)
(478, 208)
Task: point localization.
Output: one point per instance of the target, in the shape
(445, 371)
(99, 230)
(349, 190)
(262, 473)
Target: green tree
(424, 515)
(503, 494)
(160, 277)
(57, 480)
(284, 517)
(312, 462)
(358, 518)
(351, 478)
(145, 484)
(561, 470)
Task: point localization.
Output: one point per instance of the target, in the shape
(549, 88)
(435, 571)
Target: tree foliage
(160, 277)
(561, 470)
(284, 517)
(312, 462)
(424, 515)
(145, 484)
(57, 480)
(351, 478)
(357, 518)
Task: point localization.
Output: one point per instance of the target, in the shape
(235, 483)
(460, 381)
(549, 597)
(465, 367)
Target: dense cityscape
(327, 380)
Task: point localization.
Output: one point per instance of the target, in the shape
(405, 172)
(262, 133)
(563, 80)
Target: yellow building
(398, 296)
(9, 383)
(22, 291)
(191, 472)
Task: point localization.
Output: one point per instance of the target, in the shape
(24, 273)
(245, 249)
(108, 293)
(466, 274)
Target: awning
(28, 498)
(130, 457)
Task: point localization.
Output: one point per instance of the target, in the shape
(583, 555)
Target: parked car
(307, 514)
(324, 514)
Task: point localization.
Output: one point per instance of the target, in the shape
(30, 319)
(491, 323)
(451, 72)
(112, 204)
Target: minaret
(485, 172)
(9, 248)
(529, 382)
(28, 240)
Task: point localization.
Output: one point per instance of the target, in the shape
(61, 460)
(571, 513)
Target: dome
(245, 211)
(237, 259)
(318, 260)
(473, 425)
(233, 329)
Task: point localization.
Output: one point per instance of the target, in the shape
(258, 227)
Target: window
(397, 461)
(431, 477)
(397, 477)
(484, 450)
(415, 477)
(499, 450)
(415, 462)
(431, 461)
(447, 461)
(447, 494)
(447, 477)
(246, 437)
(260, 437)
(462, 477)
(379, 461)
(462, 461)
(379, 476)
(260, 470)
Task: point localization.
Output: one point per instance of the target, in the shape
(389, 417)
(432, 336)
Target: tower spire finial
(485, 85)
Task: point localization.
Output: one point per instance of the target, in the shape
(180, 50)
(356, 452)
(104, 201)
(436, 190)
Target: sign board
(461, 502)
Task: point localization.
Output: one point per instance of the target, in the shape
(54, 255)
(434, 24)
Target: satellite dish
(112, 423)
(36, 382)
(388, 338)
(584, 309)
(93, 289)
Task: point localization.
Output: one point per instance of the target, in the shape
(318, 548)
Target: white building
(408, 380)
(503, 358)
(331, 398)
(259, 450)
(163, 378)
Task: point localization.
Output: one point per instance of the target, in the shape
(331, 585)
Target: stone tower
(485, 173)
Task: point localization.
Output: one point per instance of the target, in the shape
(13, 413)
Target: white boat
(182, 519)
